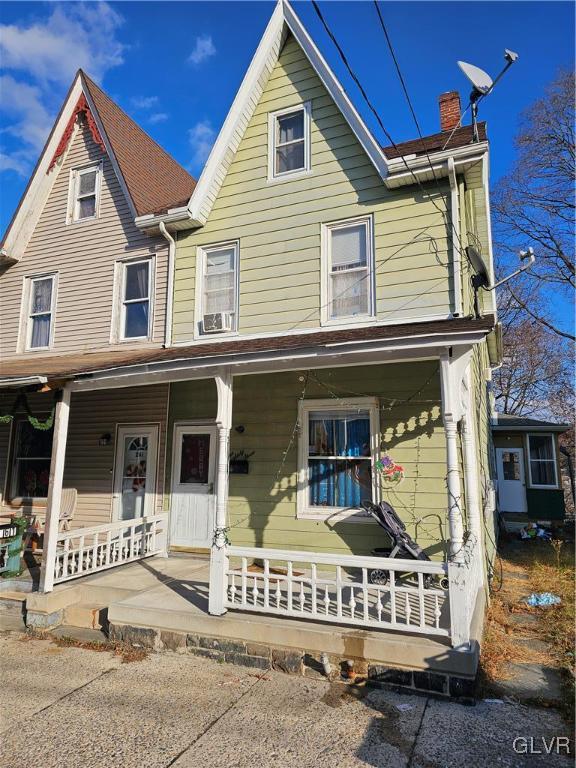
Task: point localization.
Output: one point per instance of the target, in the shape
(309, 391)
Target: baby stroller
(404, 546)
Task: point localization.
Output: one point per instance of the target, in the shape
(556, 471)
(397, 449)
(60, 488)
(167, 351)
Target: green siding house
(323, 350)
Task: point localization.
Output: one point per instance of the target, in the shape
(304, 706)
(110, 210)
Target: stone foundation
(297, 662)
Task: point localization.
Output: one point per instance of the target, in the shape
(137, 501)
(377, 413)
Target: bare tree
(534, 204)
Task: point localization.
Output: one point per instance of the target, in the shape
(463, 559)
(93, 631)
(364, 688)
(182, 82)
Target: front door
(511, 483)
(135, 472)
(192, 507)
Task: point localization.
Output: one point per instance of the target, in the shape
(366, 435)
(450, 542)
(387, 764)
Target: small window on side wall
(85, 193)
(135, 316)
(40, 316)
(289, 142)
(347, 262)
(542, 461)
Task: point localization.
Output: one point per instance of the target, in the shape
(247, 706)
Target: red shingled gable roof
(436, 142)
(155, 181)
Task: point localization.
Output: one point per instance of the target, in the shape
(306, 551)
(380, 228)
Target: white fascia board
(204, 366)
(283, 19)
(224, 143)
(174, 216)
(41, 183)
(400, 175)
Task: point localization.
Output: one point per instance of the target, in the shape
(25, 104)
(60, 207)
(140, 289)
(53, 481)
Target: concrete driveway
(65, 707)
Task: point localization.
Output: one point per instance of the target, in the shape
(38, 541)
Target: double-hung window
(136, 300)
(338, 447)
(542, 461)
(289, 141)
(30, 461)
(348, 281)
(41, 303)
(85, 193)
(218, 298)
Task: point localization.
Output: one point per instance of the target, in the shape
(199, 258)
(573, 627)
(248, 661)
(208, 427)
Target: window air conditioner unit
(217, 322)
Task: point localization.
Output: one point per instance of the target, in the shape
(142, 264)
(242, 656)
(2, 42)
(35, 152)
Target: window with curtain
(338, 456)
(30, 461)
(136, 299)
(542, 460)
(349, 266)
(40, 313)
(86, 182)
(220, 280)
(290, 138)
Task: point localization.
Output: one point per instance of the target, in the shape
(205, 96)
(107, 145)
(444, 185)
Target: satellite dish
(481, 81)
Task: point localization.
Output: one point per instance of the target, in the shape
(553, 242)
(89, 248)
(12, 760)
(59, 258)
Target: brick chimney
(449, 110)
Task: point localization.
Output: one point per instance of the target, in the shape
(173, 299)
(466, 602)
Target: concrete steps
(12, 611)
(86, 616)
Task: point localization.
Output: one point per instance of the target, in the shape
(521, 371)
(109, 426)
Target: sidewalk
(66, 707)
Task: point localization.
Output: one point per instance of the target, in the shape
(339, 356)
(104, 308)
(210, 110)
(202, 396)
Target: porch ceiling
(323, 344)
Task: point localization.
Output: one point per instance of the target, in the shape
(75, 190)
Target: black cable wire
(382, 126)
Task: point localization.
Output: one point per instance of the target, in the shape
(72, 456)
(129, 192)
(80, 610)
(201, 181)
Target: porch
(162, 603)
(324, 573)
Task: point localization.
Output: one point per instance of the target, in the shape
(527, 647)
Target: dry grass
(127, 652)
(549, 568)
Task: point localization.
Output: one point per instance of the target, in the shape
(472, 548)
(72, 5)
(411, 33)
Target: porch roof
(505, 422)
(61, 368)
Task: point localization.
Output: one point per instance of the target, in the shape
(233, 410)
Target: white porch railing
(89, 550)
(465, 578)
(338, 589)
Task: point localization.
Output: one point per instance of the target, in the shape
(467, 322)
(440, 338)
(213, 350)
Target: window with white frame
(289, 141)
(542, 461)
(40, 317)
(85, 193)
(348, 269)
(136, 299)
(30, 461)
(338, 448)
(219, 288)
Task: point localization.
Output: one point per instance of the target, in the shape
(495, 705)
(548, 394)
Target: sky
(175, 66)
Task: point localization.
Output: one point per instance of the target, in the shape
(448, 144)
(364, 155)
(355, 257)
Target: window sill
(350, 321)
(335, 515)
(289, 176)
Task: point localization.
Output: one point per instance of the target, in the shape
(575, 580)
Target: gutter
(456, 255)
(169, 284)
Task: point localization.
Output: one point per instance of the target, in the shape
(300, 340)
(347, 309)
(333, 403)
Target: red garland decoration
(81, 107)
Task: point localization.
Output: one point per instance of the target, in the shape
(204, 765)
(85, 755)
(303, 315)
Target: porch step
(86, 616)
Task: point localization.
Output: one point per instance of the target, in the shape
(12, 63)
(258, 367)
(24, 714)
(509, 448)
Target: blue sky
(175, 67)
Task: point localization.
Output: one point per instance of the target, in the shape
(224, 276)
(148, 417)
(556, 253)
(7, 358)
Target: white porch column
(452, 370)
(218, 554)
(55, 491)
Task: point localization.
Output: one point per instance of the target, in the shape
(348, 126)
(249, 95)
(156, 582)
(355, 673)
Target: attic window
(85, 183)
(289, 142)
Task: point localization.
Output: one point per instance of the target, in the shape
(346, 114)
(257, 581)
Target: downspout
(456, 256)
(170, 285)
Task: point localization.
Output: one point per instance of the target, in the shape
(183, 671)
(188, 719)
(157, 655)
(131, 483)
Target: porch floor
(171, 595)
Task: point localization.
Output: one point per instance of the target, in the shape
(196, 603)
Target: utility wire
(382, 126)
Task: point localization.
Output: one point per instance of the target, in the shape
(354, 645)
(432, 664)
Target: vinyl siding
(89, 467)
(262, 504)
(279, 223)
(84, 255)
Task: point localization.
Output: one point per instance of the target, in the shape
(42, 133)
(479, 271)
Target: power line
(382, 126)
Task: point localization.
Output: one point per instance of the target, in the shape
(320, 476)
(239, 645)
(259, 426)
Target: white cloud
(158, 117)
(43, 56)
(203, 49)
(201, 138)
(144, 102)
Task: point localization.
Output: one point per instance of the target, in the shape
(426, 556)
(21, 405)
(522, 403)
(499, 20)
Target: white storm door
(192, 506)
(135, 471)
(511, 483)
